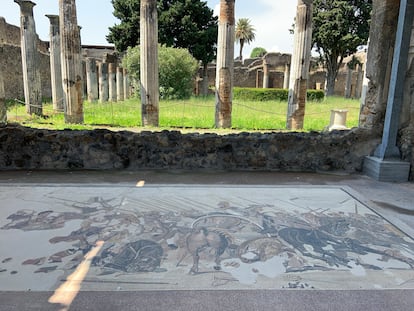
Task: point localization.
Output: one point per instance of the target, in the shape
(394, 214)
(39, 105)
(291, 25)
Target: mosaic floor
(197, 237)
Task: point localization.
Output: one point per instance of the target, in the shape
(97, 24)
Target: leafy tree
(258, 52)
(244, 33)
(339, 27)
(188, 24)
(177, 68)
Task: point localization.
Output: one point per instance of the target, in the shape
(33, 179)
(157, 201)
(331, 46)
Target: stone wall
(25, 148)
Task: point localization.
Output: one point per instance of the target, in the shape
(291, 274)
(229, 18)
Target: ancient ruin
(386, 90)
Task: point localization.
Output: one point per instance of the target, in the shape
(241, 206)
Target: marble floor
(179, 237)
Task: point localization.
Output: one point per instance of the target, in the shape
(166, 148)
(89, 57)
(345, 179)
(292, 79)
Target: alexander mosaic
(199, 237)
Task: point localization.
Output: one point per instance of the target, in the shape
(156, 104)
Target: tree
(258, 52)
(188, 24)
(177, 68)
(245, 33)
(339, 27)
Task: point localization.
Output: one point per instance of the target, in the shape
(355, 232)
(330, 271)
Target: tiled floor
(180, 237)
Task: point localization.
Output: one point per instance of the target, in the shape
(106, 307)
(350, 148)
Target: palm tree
(245, 33)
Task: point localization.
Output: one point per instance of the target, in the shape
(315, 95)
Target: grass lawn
(195, 113)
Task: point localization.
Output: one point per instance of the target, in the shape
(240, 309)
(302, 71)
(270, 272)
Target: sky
(270, 18)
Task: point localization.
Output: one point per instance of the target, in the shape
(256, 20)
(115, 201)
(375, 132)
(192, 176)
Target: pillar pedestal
(386, 164)
(387, 170)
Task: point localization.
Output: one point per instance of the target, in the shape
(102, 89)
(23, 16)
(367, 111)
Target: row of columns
(106, 81)
(67, 78)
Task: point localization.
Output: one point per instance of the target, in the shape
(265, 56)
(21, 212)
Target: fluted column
(119, 84)
(112, 81)
(72, 73)
(56, 64)
(91, 79)
(30, 58)
(103, 82)
(126, 84)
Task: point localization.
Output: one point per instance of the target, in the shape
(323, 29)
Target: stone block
(387, 170)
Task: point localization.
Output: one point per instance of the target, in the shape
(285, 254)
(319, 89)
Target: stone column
(103, 82)
(359, 81)
(265, 74)
(300, 65)
(348, 84)
(30, 58)
(119, 84)
(91, 79)
(126, 84)
(112, 81)
(225, 64)
(149, 63)
(386, 164)
(58, 97)
(3, 110)
(286, 77)
(71, 61)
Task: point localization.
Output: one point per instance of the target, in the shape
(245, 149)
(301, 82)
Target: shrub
(177, 69)
(258, 52)
(255, 94)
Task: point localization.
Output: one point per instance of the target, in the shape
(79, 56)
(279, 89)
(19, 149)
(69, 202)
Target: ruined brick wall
(25, 148)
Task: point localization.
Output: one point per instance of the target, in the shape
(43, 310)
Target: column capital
(54, 19)
(26, 6)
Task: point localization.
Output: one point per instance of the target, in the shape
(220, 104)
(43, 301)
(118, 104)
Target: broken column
(225, 64)
(119, 84)
(103, 82)
(30, 58)
(112, 81)
(72, 73)
(56, 64)
(91, 79)
(300, 65)
(386, 164)
(149, 62)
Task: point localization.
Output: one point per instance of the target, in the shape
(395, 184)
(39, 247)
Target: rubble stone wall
(26, 148)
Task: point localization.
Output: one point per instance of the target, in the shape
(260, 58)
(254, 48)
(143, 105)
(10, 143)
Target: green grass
(195, 113)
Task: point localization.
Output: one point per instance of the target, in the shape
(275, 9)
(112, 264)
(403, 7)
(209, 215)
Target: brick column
(225, 64)
(299, 73)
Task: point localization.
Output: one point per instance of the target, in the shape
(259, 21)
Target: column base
(387, 170)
